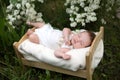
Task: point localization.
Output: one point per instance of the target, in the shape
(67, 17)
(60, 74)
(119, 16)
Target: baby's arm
(61, 53)
(66, 34)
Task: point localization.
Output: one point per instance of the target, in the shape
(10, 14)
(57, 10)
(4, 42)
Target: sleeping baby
(60, 40)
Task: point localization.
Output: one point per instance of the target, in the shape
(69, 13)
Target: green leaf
(13, 1)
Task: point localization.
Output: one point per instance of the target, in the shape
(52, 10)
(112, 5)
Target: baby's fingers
(67, 42)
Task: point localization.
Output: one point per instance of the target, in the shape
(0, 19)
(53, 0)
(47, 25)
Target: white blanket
(37, 52)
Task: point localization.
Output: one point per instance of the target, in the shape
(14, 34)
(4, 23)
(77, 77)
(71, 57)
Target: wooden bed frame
(85, 73)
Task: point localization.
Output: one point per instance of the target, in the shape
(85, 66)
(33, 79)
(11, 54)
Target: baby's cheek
(77, 46)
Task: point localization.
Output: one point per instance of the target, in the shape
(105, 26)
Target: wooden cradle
(85, 73)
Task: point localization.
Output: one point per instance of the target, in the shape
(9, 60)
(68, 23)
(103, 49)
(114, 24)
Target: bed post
(15, 46)
(18, 54)
(89, 56)
(89, 71)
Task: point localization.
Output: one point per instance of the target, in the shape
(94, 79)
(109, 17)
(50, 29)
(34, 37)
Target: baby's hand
(67, 41)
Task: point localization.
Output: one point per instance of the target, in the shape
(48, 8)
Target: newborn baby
(49, 37)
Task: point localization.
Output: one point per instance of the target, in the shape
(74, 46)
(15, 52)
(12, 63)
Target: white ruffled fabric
(37, 52)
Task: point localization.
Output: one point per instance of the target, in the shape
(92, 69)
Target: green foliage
(7, 33)
(14, 72)
(13, 1)
(54, 13)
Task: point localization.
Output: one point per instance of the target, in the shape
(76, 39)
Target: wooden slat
(94, 45)
(96, 41)
(15, 46)
(91, 52)
(42, 65)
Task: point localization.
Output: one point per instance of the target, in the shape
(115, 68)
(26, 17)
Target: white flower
(94, 6)
(32, 0)
(10, 23)
(87, 21)
(83, 14)
(87, 9)
(41, 1)
(39, 14)
(16, 12)
(73, 24)
(10, 7)
(83, 24)
(82, 4)
(31, 11)
(72, 7)
(23, 2)
(22, 11)
(39, 19)
(76, 8)
(69, 10)
(103, 21)
(18, 6)
(77, 20)
(82, 11)
(93, 13)
(12, 19)
(9, 16)
(97, 2)
(93, 19)
(28, 5)
(18, 16)
(71, 19)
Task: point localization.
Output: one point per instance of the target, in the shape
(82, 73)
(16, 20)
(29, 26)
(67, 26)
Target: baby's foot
(59, 55)
(29, 32)
(35, 24)
(34, 38)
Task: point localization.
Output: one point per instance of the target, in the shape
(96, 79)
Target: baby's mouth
(71, 42)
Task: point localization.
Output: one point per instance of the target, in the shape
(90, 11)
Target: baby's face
(81, 40)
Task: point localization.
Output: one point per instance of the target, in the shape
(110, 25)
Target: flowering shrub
(20, 11)
(81, 11)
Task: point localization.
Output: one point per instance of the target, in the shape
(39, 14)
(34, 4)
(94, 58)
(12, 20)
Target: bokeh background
(54, 12)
